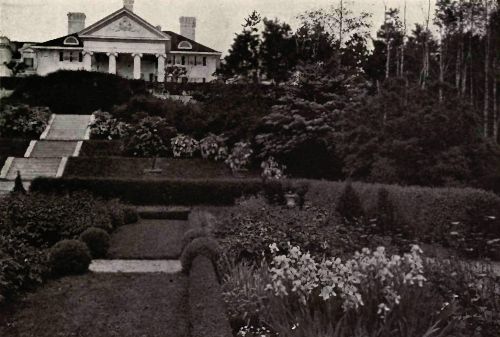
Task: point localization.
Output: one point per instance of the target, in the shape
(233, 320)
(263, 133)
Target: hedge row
(158, 192)
(124, 168)
(206, 308)
(101, 148)
(429, 212)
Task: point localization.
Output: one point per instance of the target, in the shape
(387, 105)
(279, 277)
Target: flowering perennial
(106, 127)
(212, 147)
(271, 169)
(184, 146)
(367, 272)
(240, 156)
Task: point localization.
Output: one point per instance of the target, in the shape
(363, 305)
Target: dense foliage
(31, 224)
(23, 121)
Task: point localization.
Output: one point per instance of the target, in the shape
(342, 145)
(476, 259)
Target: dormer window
(71, 40)
(185, 45)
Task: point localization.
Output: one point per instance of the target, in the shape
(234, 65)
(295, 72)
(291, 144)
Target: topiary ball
(204, 246)
(130, 215)
(68, 257)
(192, 234)
(97, 241)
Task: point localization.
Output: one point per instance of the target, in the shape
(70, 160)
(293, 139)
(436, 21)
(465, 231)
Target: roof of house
(59, 42)
(197, 47)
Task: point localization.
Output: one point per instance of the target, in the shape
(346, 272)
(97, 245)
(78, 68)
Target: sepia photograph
(249, 168)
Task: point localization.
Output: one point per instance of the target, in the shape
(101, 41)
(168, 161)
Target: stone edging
(30, 149)
(62, 166)
(47, 129)
(87, 131)
(6, 167)
(78, 148)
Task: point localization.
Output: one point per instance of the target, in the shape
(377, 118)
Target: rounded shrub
(204, 246)
(97, 240)
(130, 215)
(192, 234)
(69, 257)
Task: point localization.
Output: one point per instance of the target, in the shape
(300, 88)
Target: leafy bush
(349, 206)
(150, 138)
(213, 147)
(69, 257)
(184, 146)
(158, 191)
(97, 240)
(240, 156)
(23, 121)
(272, 170)
(206, 308)
(201, 246)
(106, 127)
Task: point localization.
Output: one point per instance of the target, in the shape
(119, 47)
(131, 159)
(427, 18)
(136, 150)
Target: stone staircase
(48, 156)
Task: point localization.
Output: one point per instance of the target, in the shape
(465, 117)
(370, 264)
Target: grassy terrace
(104, 305)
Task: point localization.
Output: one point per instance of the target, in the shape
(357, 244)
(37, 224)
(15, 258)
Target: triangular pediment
(123, 24)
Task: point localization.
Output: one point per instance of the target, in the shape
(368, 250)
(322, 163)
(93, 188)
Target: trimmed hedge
(206, 307)
(429, 213)
(130, 167)
(204, 246)
(101, 148)
(157, 192)
(69, 257)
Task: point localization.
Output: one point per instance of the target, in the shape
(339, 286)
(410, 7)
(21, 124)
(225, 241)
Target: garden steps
(30, 168)
(135, 266)
(53, 149)
(68, 127)
(7, 186)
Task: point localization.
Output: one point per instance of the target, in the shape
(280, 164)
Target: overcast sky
(217, 20)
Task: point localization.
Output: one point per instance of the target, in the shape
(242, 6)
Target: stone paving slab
(135, 266)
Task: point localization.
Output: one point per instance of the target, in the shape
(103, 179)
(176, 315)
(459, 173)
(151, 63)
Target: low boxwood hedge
(157, 192)
(12, 147)
(206, 307)
(101, 148)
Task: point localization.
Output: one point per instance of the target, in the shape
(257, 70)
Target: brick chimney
(129, 4)
(76, 22)
(188, 27)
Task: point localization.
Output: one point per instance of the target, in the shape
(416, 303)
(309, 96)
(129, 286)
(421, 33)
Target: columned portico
(87, 60)
(161, 67)
(112, 62)
(137, 65)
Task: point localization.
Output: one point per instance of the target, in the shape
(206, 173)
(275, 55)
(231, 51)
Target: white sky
(217, 20)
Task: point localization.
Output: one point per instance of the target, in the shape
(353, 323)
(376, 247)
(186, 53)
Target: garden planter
(291, 199)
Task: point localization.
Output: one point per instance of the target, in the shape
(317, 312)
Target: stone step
(53, 149)
(135, 266)
(30, 168)
(69, 127)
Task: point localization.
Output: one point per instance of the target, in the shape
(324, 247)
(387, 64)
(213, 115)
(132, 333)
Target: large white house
(123, 43)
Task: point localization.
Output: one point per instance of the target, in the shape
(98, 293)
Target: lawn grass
(126, 167)
(148, 239)
(102, 305)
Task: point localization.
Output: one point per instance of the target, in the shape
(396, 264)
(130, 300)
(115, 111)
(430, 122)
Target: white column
(112, 62)
(87, 60)
(161, 67)
(137, 66)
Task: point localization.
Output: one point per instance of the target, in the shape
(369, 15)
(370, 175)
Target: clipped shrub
(192, 234)
(69, 257)
(157, 191)
(385, 211)
(349, 205)
(203, 246)
(184, 146)
(97, 240)
(130, 215)
(18, 185)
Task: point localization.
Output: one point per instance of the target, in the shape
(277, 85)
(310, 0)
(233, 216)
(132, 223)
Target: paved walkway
(135, 266)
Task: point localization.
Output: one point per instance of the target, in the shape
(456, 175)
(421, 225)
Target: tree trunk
(486, 72)
(425, 68)
(388, 59)
(402, 70)
(495, 109)
(441, 66)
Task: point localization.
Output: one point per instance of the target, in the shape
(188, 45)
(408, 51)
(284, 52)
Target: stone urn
(291, 199)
